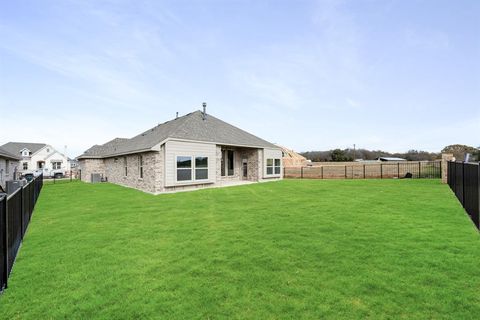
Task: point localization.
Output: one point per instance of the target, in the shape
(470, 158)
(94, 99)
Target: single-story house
(8, 167)
(193, 151)
(38, 157)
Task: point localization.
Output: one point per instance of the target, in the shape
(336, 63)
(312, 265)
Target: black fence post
(364, 176)
(419, 169)
(381, 171)
(454, 180)
(321, 171)
(21, 211)
(478, 196)
(463, 183)
(345, 171)
(301, 173)
(398, 170)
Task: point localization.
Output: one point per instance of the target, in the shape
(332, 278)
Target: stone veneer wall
(89, 166)
(114, 170)
(445, 158)
(254, 164)
(152, 171)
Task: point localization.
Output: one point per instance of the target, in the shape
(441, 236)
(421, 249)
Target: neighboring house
(292, 159)
(193, 151)
(38, 157)
(8, 167)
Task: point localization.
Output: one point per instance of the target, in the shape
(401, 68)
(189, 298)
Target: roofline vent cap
(204, 114)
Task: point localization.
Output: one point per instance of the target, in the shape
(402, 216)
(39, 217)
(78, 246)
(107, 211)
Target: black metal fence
(464, 180)
(15, 213)
(359, 170)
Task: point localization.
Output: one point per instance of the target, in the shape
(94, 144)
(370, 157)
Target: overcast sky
(310, 75)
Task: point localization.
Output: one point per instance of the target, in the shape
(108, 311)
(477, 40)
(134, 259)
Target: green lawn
(280, 250)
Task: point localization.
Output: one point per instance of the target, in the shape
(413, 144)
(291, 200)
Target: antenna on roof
(204, 115)
(176, 117)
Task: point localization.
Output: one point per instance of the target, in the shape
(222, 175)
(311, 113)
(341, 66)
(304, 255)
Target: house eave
(112, 155)
(223, 144)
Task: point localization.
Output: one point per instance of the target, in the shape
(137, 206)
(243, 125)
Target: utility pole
(354, 152)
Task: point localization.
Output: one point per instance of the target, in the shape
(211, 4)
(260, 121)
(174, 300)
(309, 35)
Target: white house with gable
(38, 158)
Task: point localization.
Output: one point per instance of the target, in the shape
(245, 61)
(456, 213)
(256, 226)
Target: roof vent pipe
(204, 110)
(176, 117)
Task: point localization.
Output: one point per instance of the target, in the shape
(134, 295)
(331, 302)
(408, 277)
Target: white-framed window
(278, 167)
(274, 166)
(56, 165)
(125, 166)
(184, 168)
(192, 168)
(25, 166)
(25, 153)
(201, 168)
(269, 166)
(140, 166)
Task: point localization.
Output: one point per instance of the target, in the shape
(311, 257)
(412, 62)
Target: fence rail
(412, 169)
(15, 214)
(464, 180)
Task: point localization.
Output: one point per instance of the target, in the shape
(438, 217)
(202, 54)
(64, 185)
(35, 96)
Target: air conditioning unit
(96, 177)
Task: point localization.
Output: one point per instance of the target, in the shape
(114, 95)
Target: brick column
(445, 158)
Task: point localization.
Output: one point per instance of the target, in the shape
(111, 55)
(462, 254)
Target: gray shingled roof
(189, 127)
(16, 147)
(5, 154)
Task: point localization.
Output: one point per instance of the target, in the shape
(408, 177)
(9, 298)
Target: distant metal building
(394, 159)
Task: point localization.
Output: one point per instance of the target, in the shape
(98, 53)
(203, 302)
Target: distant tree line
(459, 152)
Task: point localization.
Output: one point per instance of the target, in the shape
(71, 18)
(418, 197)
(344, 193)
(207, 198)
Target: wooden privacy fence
(464, 180)
(15, 213)
(379, 170)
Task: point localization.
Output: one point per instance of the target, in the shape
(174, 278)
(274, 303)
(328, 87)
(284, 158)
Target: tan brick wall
(253, 164)
(114, 170)
(445, 158)
(89, 166)
(152, 171)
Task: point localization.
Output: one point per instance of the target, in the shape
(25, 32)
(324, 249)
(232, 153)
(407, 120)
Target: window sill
(270, 176)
